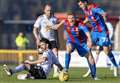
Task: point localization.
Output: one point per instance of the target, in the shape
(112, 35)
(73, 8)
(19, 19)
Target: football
(63, 76)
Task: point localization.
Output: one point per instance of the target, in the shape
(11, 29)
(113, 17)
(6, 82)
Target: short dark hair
(47, 42)
(83, 1)
(46, 5)
(70, 12)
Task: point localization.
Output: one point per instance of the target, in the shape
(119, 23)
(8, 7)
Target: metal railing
(15, 56)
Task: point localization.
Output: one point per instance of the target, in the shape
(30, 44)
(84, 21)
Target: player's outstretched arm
(60, 24)
(56, 26)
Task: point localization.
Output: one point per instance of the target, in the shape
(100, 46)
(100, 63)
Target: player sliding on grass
(40, 68)
(100, 36)
(77, 37)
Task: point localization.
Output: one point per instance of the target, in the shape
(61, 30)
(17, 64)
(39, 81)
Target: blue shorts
(81, 48)
(100, 39)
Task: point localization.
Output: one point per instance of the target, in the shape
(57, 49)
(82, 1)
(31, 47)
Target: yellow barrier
(19, 53)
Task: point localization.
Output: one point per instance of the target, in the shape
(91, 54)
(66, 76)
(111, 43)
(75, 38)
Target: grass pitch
(105, 74)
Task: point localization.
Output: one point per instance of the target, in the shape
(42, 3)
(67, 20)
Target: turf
(105, 74)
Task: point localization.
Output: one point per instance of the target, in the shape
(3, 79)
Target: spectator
(21, 41)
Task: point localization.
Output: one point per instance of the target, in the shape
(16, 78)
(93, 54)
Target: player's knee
(69, 50)
(106, 50)
(91, 59)
(97, 50)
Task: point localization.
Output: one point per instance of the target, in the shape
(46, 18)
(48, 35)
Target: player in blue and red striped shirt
(78, 37)
(99, 34)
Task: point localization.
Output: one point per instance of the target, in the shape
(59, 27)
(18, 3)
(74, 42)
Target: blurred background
(19, 15)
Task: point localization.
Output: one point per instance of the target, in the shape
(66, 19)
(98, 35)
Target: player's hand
(27, 62)
(48, 26)
(63, 21)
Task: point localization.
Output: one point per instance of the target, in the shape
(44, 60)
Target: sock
(67, 61)
(54, 66)
(111, 57)
(55, 69)
(18, 68)
(92, 69)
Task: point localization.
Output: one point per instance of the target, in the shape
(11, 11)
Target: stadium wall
(17, 57)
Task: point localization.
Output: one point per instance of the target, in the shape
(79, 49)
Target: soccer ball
(63, 76)
(22, 76)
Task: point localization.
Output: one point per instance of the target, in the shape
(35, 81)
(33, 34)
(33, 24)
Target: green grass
(105, 74)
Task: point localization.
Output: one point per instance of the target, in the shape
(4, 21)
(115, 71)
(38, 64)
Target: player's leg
(92, 65)
(19, 68)
(55, 51)
(105, 43)
(84, 51)
(110, 55)
(94, 37)
(55, 73)
(97, 50)
(68, 56)
(112, 59)
(111, 66)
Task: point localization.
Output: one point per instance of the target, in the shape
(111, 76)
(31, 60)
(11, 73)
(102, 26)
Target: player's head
(47, 9)
(21, 34)
(44, 44)
(82, 3)
(70, 16)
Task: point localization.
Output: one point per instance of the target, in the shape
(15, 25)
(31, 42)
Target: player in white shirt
(40, 68)
(45, 27)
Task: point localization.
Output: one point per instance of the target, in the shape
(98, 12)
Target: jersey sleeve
(99, 11)
(55, 20)
(38, 22)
